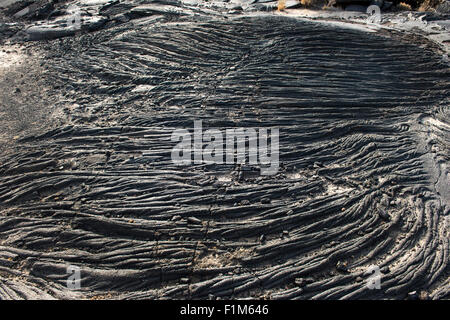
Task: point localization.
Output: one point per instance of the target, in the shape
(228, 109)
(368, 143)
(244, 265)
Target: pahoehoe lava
(363, 180)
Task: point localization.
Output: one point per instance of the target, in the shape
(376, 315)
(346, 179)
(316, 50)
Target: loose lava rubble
(86, 177)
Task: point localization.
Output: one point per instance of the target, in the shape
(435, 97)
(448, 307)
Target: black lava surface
(364, 147)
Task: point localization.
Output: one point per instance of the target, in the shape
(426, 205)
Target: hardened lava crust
(86, 177)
